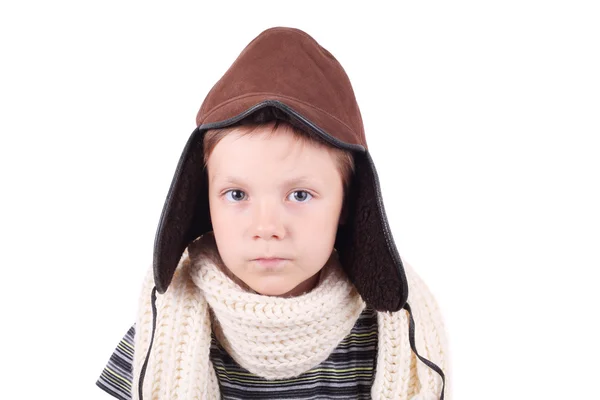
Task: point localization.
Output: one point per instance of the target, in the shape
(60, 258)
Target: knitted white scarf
(273, 337)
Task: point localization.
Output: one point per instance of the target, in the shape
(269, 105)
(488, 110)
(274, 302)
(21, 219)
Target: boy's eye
(236, 195)
(298, 196)
(301, 196)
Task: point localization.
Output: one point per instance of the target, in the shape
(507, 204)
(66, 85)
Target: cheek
(221, 215)
(327, 217)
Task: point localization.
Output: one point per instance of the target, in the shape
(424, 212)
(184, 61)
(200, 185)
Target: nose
(268, 221)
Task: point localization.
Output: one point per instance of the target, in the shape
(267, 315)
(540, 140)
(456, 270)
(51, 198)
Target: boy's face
(260, 208)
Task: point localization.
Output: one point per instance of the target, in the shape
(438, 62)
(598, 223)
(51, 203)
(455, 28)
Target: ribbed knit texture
(347, 374)
(276, 337)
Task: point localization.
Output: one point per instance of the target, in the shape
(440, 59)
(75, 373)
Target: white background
(483, 119)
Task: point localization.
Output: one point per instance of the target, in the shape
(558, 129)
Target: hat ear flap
(344, 212)
(365, 244)
(185, 214)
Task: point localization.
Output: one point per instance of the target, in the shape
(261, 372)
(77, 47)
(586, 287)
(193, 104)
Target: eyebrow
(288, 182)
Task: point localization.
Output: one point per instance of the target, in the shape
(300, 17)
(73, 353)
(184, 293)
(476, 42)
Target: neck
(304, 287)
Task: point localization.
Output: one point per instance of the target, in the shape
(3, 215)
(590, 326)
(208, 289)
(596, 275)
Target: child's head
(274, 191)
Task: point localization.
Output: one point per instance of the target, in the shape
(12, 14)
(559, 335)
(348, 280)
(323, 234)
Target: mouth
(270, 262)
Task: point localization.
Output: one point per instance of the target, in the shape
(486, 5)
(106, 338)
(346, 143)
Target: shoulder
(116, 377)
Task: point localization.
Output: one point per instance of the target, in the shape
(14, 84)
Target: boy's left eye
(301, 196)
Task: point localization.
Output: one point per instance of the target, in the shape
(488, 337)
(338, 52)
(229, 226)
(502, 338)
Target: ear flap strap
(143, 372)
(411, 336)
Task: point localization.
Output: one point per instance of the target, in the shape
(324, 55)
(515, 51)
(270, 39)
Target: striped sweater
(346, 374)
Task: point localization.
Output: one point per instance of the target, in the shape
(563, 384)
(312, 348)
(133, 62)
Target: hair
(343, 158)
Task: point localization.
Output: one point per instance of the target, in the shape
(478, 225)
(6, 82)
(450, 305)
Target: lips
(269, 257)
(270, 262)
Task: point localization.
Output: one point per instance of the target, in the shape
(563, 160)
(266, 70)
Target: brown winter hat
(285, 74)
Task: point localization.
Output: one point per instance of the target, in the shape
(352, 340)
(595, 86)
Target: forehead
(274, 153)
(265, 144)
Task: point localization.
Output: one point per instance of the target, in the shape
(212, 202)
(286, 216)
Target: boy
(283, 278)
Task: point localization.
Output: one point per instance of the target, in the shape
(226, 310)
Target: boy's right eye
(236, 195)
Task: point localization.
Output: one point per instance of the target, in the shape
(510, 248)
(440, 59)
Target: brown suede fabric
(288, 65)
(285, 74)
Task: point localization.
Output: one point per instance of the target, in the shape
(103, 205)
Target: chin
(271, 288)
(271, 291)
